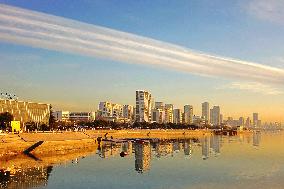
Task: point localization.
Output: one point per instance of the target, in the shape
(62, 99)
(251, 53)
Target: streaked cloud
(40, 30)
(268, 10)
(252, 87)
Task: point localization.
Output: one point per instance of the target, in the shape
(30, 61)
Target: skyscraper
(128, 112)
(143, 106)
(177, 116)
(111, 111)
(205, 111)
(215, 115)
(158, 113)
(241, 121)
(255, 119)
(188, 114)
(169, 108)
(221, 119)
(248, 122)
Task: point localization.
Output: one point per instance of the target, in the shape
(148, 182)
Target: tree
(5, 119)
(51, 121)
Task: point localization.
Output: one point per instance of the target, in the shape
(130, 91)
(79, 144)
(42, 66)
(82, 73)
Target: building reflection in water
(215, 144)
(144, 150)
(25, 178)
(205, 147)
(256, 138)
(210, 146)
(142, 156)
(164, 148)
(187, 147)
(126, 147)
(109, 149)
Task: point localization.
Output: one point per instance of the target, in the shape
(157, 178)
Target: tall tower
(241, 121)
(255, 119)
(215, 115)
(143, 106)
(177, 116)
(188, 114)
(169, 108)
(205, 111)
(158, 113)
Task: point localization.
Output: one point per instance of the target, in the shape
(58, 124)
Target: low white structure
(67, 116)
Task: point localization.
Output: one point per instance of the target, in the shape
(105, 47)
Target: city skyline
(148, 110)
(77, 82)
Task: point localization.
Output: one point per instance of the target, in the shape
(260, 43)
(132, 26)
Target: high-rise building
(255, 119)
(128, 112)
(177, 116)
(215, 115)
(248, 122)
(143, 106)
(105, 109)
(241, 121)
(205, 111)
(221, 119)
(158, 116)
(169, 108)
(258, 123)
(158, 113)
(115, 112)
(198, 120)
(188, 114)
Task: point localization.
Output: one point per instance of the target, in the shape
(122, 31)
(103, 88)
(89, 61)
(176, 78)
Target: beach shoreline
(69, 142)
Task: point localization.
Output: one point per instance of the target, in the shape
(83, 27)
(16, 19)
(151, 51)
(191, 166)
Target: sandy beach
(62, 146)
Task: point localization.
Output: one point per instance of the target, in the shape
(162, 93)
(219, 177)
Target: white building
(169, 108)
(82, 116)
(115, 112)
(158, 116)
(158, 113)
(128, 112)
(61, 115)
(177, 116)
(215, 116)
(143, 106)
(66, 116)
(105, 109)
(198, 120)
(205, 111)
(188, 114)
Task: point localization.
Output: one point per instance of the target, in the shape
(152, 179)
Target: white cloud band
(36, 29)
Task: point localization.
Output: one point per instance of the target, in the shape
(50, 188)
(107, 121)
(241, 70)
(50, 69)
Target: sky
(229, 53)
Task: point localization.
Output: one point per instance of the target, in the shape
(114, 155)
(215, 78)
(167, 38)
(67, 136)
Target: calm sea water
(243, 161)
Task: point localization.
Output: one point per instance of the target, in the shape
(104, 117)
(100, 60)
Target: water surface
(210, 161)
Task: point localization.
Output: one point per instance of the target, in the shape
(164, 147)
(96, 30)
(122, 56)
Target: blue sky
(249, 30)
